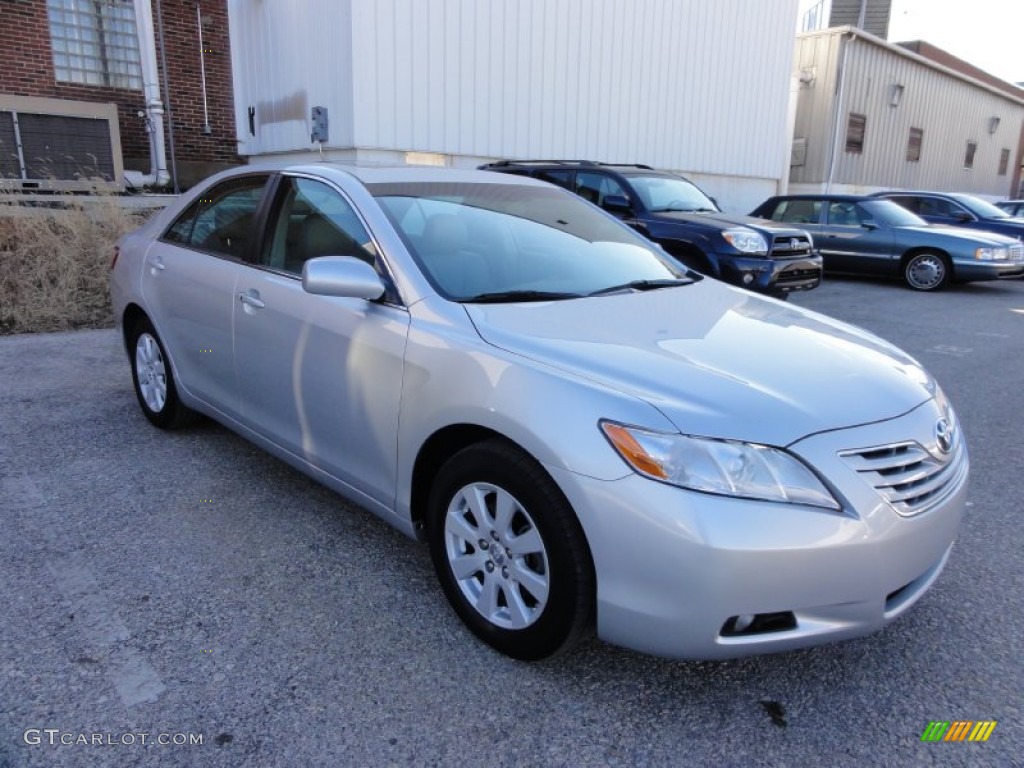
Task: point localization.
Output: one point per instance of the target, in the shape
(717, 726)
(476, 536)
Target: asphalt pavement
(184, 599)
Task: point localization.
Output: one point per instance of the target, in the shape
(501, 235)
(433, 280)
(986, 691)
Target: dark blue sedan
(870, 235)
(954, 209)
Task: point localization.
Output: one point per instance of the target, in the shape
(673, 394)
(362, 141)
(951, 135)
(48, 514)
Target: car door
(851, 241)
(320, 376)
(189, 287)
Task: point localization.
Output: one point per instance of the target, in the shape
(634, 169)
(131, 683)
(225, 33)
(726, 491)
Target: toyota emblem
(945, 433)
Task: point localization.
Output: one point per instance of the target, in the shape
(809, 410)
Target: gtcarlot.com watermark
(57, 737)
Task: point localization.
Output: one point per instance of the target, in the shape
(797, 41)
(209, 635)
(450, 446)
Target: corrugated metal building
(871, 116)
(701, 87)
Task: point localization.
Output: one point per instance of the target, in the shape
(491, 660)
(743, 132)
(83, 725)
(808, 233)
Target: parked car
(1012, 207)
(958, 210)
(869, 235)
(675, 213)
(583, 432)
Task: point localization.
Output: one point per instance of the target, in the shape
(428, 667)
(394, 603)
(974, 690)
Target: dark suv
(673, 212)
(957, 210)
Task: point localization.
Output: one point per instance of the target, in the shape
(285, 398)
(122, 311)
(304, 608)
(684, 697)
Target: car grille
(1016, 253)
(788, 276)
(907, 476)
(791, 247)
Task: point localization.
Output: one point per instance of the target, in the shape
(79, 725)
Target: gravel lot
(187, 585)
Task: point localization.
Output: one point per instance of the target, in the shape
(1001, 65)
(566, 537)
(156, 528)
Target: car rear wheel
(509, 552)
(154, 381)
(927, 271)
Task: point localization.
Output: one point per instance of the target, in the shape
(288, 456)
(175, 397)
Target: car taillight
(117, 252)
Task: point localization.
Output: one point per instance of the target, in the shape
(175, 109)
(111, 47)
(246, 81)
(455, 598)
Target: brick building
(64, 57)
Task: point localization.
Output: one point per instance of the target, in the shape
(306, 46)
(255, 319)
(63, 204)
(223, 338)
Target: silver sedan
(587, 435)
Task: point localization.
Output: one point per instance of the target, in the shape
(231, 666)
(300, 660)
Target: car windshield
(981, 208)
(510, 242)
(892, 214)
(667, 193)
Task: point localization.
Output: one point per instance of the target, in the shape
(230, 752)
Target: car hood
(967, 236)
(722, 220)
(716, 360)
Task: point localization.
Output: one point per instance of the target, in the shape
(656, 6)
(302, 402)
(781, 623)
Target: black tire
(927, 271)
(564, 618)
(151, 370)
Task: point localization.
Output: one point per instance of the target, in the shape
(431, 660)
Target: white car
(585, 434)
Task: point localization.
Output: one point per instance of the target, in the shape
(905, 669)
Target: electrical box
(319, 132)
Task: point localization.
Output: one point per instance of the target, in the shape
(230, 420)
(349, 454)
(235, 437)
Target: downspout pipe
(158, 175)
(846, 40)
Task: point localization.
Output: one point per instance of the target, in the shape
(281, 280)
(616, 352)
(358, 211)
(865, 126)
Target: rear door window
(798, 211)
(561, 178)
(223, 220)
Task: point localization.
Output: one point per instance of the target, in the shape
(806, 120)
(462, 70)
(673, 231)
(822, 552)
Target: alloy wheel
(497, 555)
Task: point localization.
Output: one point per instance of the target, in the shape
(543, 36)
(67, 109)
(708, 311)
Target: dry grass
(54, 262)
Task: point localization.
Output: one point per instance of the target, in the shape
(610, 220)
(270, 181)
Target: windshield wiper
(499, 297)
(644, 285)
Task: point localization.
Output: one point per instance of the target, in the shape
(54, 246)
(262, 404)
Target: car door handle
(157, 263)
(251, 300)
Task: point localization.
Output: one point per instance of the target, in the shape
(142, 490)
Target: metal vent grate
(66, 148)
(907, 476)
(10, 167)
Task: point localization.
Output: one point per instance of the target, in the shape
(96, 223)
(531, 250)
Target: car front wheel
(927, 271)
(154, 381)
(509, 552)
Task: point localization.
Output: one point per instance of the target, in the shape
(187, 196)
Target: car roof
(822, 196)
(920, 193)
(388, 174)
(626, 169)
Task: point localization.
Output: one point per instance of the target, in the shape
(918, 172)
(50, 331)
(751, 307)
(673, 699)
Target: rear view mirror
(962, 216)
(870, 224)
(341, 276)
(617, 204)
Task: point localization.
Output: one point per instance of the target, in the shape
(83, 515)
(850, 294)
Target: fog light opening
(748, 278)
(758, 624)
(742, 623)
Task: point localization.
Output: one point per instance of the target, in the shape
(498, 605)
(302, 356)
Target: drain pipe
(154, 114)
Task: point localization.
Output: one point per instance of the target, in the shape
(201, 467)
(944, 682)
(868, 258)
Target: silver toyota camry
(586, 435)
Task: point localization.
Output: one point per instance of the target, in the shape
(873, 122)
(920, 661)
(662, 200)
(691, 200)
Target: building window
(855, 133)
(1004, 161)
(95, 42)
(972, 147)
(914, 145)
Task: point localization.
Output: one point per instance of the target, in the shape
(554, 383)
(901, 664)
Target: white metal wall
(288, 56)
(950, 110)
(700, 86)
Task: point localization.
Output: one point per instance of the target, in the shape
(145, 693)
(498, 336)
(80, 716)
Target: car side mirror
(617, 204)
(344, 276)
(870, 224)
(962, 216)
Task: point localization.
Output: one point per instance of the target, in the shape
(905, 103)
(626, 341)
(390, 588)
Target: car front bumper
(675, 567)
(967, 271)
(771, 276)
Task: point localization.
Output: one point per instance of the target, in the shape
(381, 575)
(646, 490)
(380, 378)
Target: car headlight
(990, 254)
(724, 467)
(745, 240)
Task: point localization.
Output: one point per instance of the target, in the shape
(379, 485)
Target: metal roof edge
(908, 54)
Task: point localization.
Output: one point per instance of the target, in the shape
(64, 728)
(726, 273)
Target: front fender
(452, 376)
